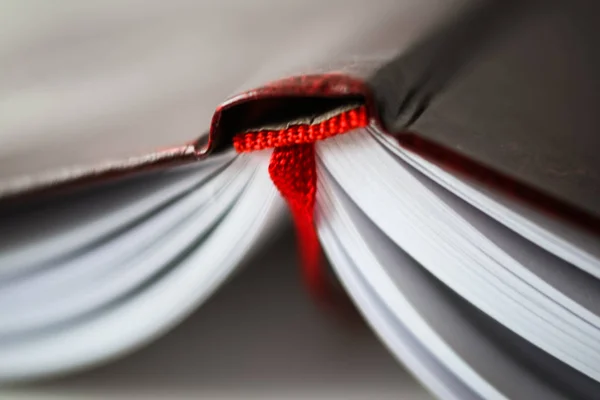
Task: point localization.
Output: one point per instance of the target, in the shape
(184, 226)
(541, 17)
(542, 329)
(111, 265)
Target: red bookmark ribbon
(293, 171)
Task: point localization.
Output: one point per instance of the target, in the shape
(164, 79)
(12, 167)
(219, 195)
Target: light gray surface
(81, 82)
(261, 335)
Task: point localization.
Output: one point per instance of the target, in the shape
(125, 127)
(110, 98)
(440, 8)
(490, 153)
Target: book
(451, 184)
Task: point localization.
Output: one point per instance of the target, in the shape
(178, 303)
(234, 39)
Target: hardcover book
(448, 173)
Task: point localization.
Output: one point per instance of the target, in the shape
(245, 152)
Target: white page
(573, 283)
(52, 228)
(446, 314)
(155, 308)
(106, 272)
(398, 336)
(573, 245)
(434, 235)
